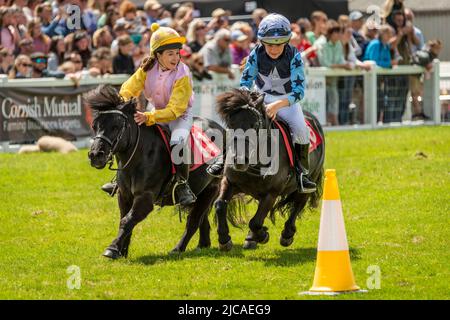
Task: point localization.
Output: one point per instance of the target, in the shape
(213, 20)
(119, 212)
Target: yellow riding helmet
(164, 38)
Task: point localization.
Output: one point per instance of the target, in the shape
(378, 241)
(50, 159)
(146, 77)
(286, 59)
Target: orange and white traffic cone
(333, 273)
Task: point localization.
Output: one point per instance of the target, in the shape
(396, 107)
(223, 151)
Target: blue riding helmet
(274, 29)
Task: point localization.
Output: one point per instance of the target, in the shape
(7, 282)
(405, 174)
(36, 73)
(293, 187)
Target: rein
(115, 143)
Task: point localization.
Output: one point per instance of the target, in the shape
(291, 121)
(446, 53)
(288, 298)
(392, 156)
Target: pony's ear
(260, 99)
(128, 106)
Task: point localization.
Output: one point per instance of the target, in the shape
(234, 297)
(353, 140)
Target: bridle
(114, 144)
(256, 112)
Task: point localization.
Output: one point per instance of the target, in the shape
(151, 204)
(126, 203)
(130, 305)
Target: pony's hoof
(266, 239)
(175, 252)
(227, 246)
(286, 242)
(111, 254)
(249, 244)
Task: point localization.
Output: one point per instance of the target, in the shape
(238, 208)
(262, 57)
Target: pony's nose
(95, 154)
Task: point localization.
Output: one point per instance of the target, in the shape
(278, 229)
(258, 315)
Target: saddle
(314, 138)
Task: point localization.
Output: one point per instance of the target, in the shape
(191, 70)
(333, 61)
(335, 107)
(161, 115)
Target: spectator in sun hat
(216, 53)
(239, 46)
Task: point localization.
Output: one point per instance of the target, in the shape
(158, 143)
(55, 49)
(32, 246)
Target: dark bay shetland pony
(145, 169)
(243, 109)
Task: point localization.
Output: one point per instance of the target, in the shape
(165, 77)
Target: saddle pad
(202, 148)
(314, 139)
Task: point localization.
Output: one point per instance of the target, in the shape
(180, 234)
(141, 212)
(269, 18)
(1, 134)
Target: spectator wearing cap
(257, 15)
(39, 67)
(370, 30)
(153, 10)
(216, 53)
(246, 29)
(6, 61)
(123, 62)
(196, 35)
(57, 52)
(41, 42)
(21, 68)
(356, 23)
(219, 20)
(239, 46)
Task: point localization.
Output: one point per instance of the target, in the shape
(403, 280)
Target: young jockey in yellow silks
(167, 84)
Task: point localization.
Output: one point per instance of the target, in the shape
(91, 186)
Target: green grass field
(394, 187)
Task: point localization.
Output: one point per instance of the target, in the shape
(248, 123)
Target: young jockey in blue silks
(277, 70)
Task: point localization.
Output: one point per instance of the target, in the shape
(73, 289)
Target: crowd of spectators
(44, 39)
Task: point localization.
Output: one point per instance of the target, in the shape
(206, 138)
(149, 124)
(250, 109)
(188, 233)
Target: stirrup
(302, 188)
(110, 188)
(179, 184)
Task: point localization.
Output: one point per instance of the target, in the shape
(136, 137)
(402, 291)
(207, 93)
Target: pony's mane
(104, 97)
(229, 101)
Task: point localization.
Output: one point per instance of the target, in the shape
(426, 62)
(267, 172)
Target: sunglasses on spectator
(26, 65)
(201, 27)
(199, 62)
(76, 61)
(40, 60)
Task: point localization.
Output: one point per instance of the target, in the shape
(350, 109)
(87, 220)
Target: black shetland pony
(243, 109)
(144, 173)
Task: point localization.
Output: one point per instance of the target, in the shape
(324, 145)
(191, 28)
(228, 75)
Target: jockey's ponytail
(148, 63)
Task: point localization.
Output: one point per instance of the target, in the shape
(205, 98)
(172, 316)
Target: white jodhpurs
(293, 116)
(180, 128)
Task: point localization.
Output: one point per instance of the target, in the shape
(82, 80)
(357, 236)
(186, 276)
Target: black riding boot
(183, 193)
(110, 188)
(302, 168)
(215, 169)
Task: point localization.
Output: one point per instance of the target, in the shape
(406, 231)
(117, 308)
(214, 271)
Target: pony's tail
(236, 211)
